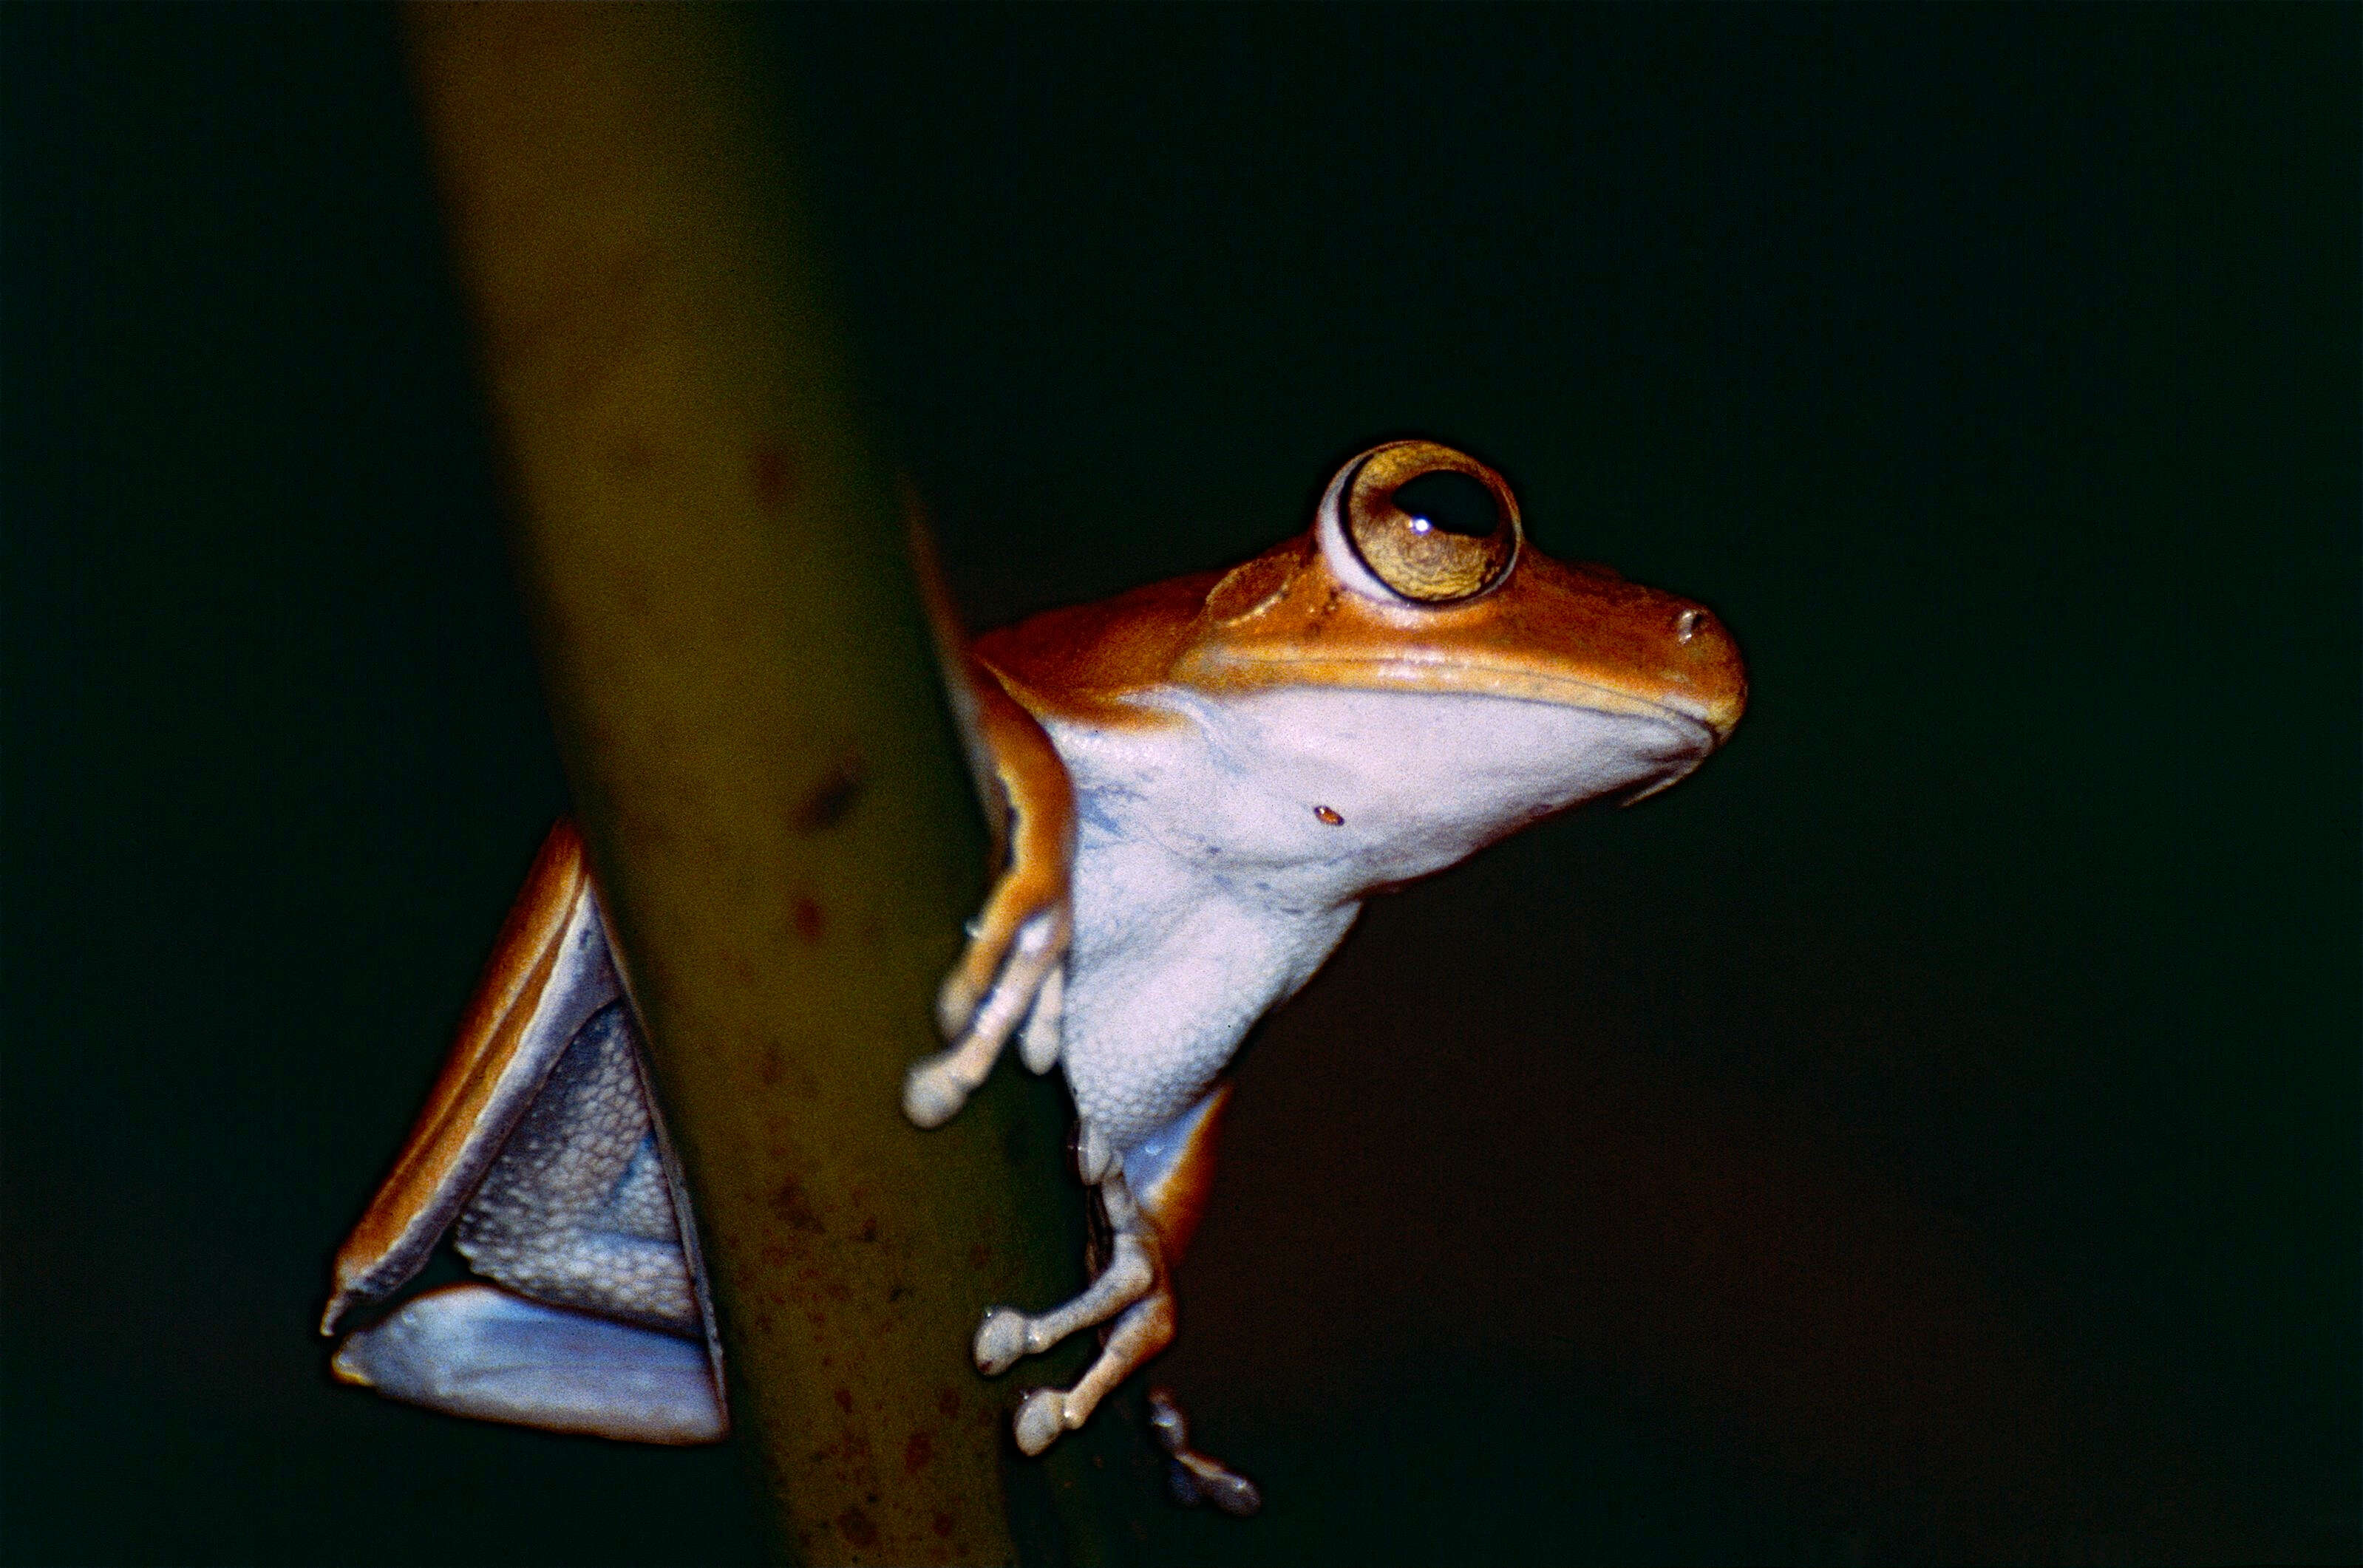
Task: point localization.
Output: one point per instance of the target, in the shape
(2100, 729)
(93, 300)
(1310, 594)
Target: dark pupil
(1451, 501)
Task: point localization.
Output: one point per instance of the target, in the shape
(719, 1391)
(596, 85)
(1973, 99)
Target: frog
(1194, 789)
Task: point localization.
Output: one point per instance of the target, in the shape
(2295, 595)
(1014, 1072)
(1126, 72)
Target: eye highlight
(1431, 524)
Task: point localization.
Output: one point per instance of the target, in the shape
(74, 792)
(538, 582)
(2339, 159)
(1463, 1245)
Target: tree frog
(1195, 786)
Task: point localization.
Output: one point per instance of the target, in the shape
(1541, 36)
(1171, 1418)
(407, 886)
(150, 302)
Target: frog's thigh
(578, 1209)
(1173, 1169)
(548, 975)
(470, 1350)
(541, 1146)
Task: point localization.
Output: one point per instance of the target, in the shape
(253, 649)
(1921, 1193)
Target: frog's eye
(1432, 525)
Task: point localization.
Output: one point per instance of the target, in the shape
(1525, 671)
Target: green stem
(740, 680)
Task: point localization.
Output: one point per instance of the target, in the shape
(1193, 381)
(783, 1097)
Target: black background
(1929, 1133)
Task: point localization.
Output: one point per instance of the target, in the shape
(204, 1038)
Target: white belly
(1168, 973)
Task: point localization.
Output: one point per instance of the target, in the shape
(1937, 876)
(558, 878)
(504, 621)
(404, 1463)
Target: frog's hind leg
(1152, 1194)
(1195, 1477)
(542, 1151)
(598, 1323)
(549, 974)
(1136, 1290)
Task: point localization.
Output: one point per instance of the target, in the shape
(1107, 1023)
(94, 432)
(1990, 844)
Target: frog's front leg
(1013, 970)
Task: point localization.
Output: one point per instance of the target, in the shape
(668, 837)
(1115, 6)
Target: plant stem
(740, 675)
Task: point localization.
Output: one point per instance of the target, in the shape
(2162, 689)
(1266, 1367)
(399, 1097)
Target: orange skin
(1571, 634)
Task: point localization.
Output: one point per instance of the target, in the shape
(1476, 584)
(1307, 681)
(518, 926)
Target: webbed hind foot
(1195, 1478)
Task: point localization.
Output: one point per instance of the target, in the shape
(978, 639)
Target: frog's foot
(1134, 1288)
(471, 1350)
(1145, 1329)
(1028, 987)
(1195, 1478)
(1151, 1193)
(1039, 1041)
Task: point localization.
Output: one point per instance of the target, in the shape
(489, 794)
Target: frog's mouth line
(1507, 682)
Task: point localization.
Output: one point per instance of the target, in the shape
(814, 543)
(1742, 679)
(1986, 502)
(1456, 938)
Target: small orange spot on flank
(943, 1523)
(808, 920)
(946, 1402)
(916, 1453)
(1327, 815)
(844, 1397)
(979, 1255)
(856, 1527)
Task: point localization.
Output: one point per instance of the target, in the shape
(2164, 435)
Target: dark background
(1930, 1133)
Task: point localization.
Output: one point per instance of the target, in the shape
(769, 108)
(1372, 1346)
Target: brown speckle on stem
(826, 802)
(788, 1201)
(809, 921)
(778, 475)
(855, 1526)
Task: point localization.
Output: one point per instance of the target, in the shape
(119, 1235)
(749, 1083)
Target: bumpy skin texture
(576, 1212)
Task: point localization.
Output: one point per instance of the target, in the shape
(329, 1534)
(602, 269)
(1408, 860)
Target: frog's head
(1417, 577)
(1414, 641)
